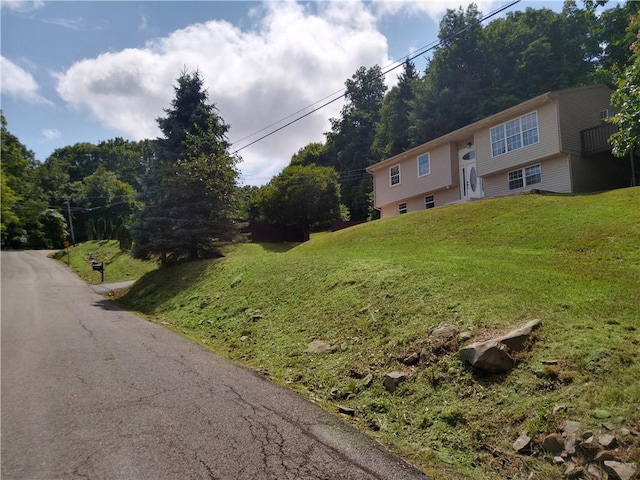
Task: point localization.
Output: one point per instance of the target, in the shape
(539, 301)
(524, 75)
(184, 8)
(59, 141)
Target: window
(429, 201)
(424, 165)
(525, 177)
(402, 208)
(394, 175)
(514, 134)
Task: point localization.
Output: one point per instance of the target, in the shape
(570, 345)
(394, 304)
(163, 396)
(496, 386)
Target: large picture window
(514, 134)
(525, 177)
(394, 175)
(424, 165)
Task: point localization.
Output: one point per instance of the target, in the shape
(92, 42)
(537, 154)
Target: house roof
(468, 130)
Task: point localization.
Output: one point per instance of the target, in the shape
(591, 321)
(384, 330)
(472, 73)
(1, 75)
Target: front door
(471, 185)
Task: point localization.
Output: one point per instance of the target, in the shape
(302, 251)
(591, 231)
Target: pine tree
(190, 183)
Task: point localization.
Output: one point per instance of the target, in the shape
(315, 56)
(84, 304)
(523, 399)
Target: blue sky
(90, 71)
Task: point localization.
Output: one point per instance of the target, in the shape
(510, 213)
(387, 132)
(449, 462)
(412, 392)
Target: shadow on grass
(161, 285)
(278, 247)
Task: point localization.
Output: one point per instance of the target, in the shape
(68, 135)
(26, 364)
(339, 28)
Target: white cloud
(435, 9)
(51, 134)
(290, 59)
(19, 84)
(22, 6)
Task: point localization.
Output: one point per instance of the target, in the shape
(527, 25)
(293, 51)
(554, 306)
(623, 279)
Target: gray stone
(571, 426)
(553, 443)
(320, 346)
(522, 443)
(619, 470)
(607, 440)
(411, 358)
(601, 413)
(444, 334)
(573, 471)
(606, 455)
(559, 408)
(558, 460)
(346, 410)
(570, 444)
(593, 471)
(393, 379)
(366, 381)
(516, 339)
(491, 356)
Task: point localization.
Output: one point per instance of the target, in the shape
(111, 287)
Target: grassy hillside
(118, 265)
(376, 291)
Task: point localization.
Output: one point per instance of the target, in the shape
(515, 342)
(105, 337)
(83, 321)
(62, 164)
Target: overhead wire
(394, 65)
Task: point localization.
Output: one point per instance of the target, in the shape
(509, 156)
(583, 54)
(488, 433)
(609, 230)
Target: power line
(387, 70)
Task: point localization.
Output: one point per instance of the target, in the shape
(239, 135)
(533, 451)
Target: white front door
(471, 185)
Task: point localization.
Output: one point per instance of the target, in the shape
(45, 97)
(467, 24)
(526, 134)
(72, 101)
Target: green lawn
(118, 265)
(377, 290)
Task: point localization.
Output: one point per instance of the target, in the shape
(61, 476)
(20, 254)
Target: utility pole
(73, 237)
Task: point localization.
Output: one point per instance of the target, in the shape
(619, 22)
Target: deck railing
(596, 139)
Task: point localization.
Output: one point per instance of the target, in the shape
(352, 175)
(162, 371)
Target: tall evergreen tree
(189, 188)
(349, 147)
(392, 132)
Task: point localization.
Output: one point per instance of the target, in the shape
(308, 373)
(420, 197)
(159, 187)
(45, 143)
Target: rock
(570, 444)
(607, 440)
(366, 381)
(558, 460)
(522, 443)
(553, 443)
(573, 471)
(443, 336)
(601, 413)
(393, 379)
(619, 470)
(464, 336)
(593, 471)
(346, 410)
(516, 339)
(559, 408)
(491, 356)
(319, 346)
(411, 358)
(590, 447)
(606, 455)
(570, 426)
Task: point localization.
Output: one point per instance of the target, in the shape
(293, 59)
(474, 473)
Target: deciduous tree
(301, 195)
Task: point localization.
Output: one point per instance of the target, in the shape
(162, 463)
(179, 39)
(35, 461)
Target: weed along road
(91, 391)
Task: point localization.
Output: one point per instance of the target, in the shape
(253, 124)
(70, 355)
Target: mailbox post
(99, 267)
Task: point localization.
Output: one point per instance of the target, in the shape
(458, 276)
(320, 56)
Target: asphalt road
(93, 392)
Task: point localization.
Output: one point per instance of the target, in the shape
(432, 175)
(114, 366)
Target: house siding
(555, 178)
(442, 175)
(561, 116)
(416, 203)
(547, 146)
(580, 109)
(599, 173)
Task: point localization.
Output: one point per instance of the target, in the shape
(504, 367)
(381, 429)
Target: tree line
(177, 196)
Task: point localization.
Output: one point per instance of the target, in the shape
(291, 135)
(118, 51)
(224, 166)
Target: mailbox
(98, 267)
